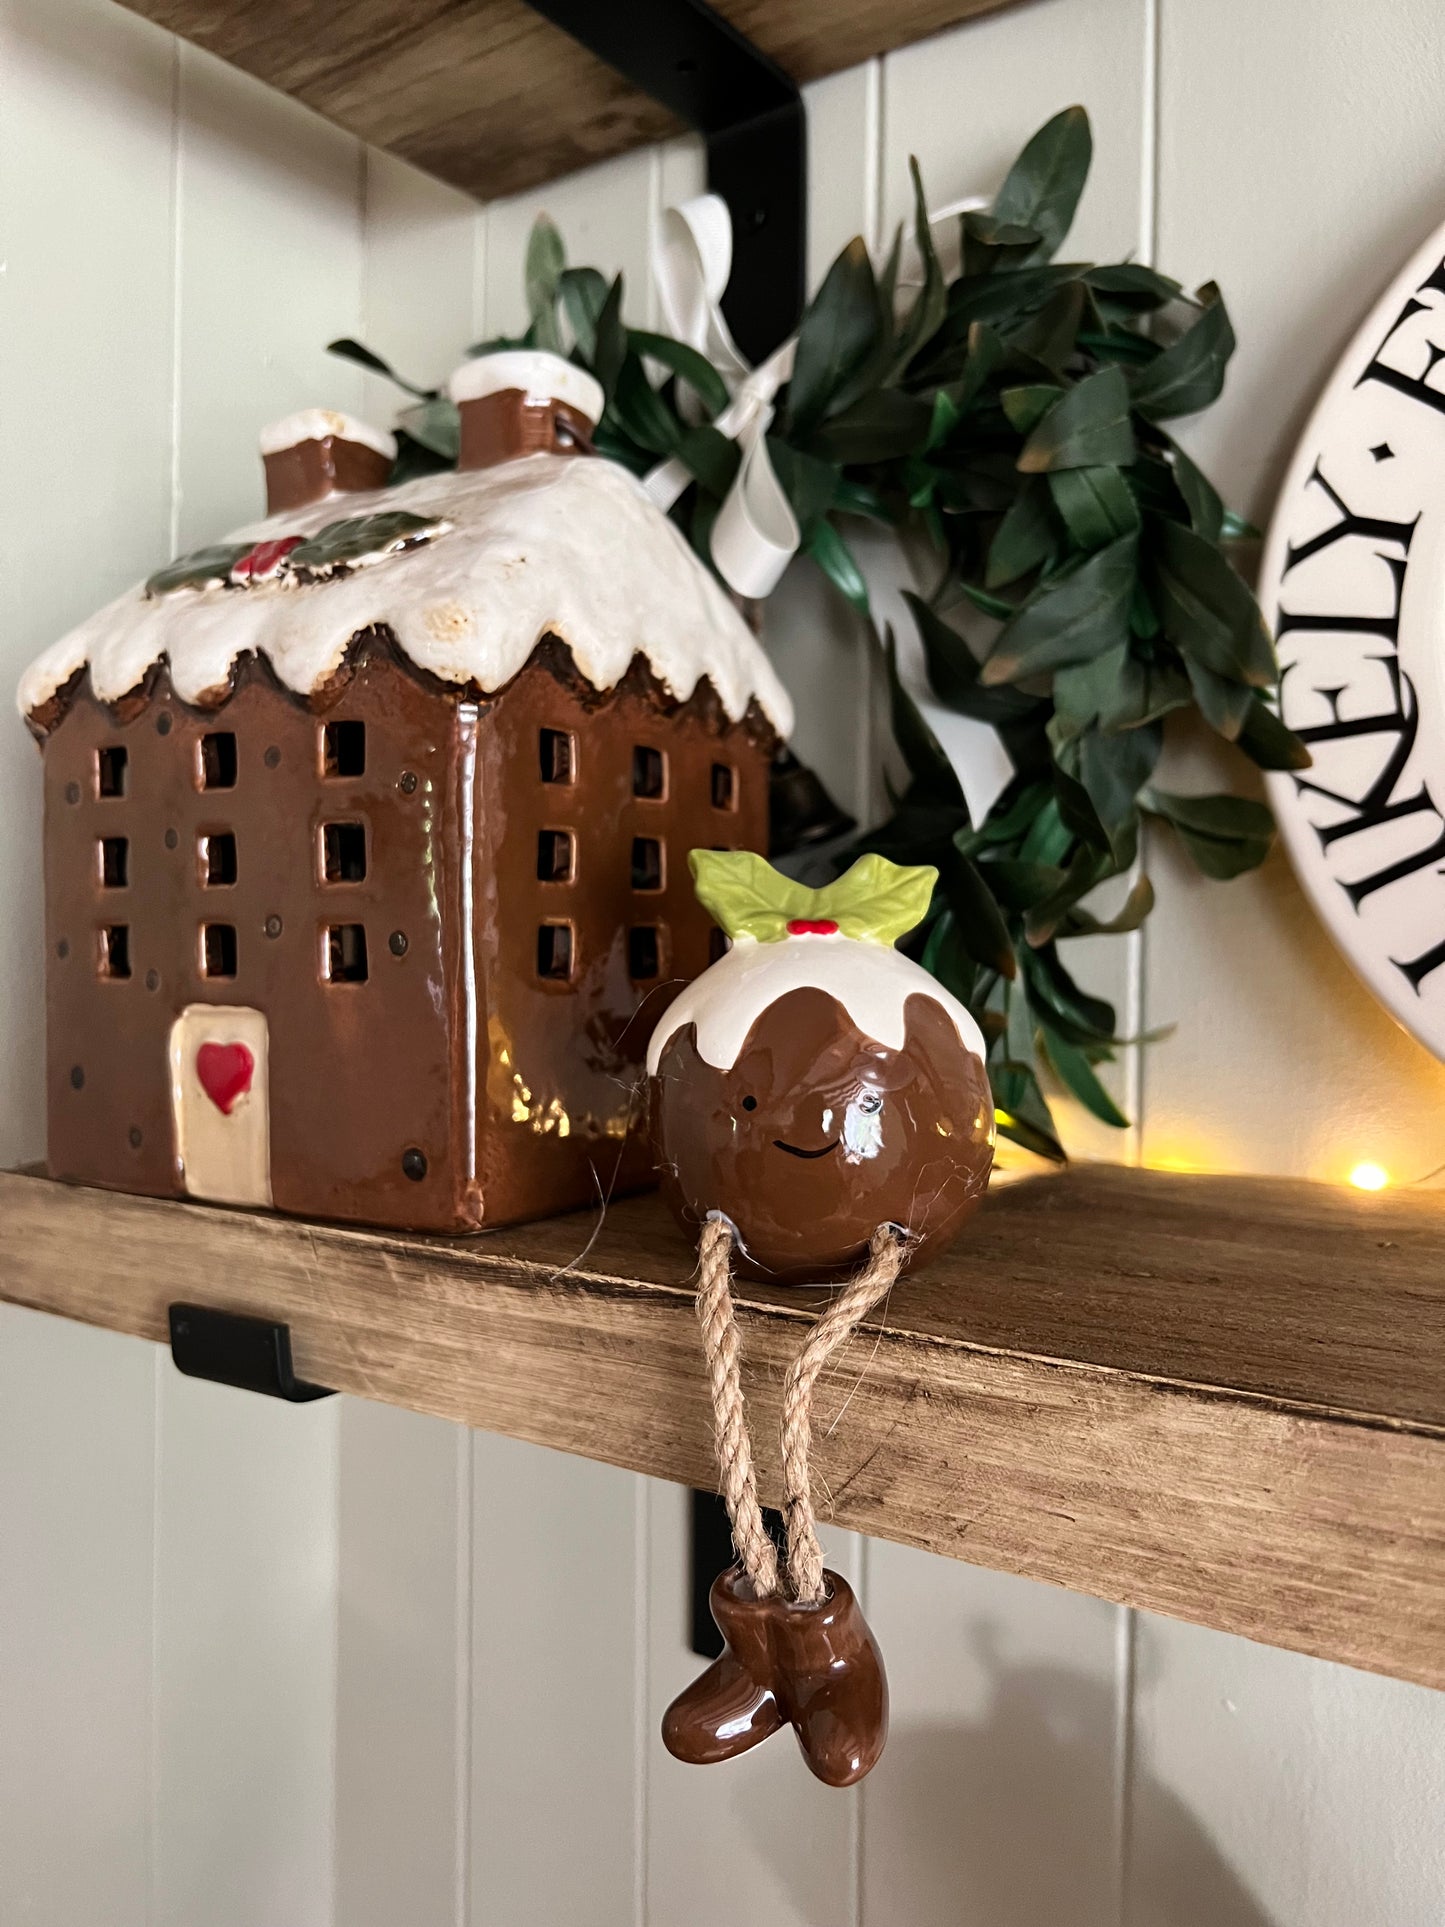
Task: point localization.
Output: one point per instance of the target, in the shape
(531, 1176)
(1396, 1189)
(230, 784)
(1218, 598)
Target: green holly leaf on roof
(876, 900)
(363, 538)
(201, 569)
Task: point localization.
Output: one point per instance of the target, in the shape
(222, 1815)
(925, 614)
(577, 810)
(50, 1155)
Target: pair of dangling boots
(816, 1668)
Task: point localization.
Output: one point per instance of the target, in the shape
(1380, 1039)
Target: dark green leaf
(877, 428)
(1119, 690)
(354, 351)
(546, 258)
(1074, 1069)
(945, 958)
(838, 329)
(1189, 374)
(611, 340)
(1027, 404)
(711, 457)
(1266, 741)
(201, 569)
(1023, 1116)
(1134, 284)
(437, 426)
(989, 244)
(981, 928)
(583, 293)
(1097, 504)
(1088, 426)
(1223, 703)
(1206, 511)
(1019, 886)
(934, 777)
(1207, 611)
(1075, 615)
(1112, 770)
(414, 459)
(1025, 539)
(1043, 186)
(837, 561)
(1225, 835)
(684, 362)
(810, 485)
(1078, 922)
(642, 411)
(931, 302)
(1049, 335)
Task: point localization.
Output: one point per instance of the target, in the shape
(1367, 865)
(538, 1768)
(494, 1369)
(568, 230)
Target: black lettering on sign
(1417, 387)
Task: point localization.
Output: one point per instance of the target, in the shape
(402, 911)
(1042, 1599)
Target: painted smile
(794, 1151)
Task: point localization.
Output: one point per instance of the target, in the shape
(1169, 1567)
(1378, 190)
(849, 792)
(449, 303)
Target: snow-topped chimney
(316, 453)
(523, 401)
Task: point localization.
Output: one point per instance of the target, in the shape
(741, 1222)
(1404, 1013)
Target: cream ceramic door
(219, 1099)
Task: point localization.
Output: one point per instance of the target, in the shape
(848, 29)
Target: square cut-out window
(343, 749)
(644, 952)
(724, 786)
(218, 760)
(554, 951)
(114, 862)
(717, 945)
(346, 953)
(649, 773)
(646, 863)
(112, 770)
(218, 859)
(554, 856)
(558, 756)
(218, 949)
(343, 852)
(115, 950)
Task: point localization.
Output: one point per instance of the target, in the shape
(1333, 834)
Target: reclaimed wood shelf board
(490, 96)
(1218, 1398)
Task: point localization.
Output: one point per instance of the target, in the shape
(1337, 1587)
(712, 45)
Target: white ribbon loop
(756, 533)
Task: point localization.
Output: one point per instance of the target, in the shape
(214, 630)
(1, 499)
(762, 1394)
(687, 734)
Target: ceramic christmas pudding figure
(820, 1107)
(364, 828)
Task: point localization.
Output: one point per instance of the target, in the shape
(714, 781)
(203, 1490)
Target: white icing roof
(315, 424)
(535, 372)
(567, 545)
(872, 982)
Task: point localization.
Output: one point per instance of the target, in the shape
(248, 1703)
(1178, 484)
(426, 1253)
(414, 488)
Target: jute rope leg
(833, 1329)
(732, 1440)
(722, 1347)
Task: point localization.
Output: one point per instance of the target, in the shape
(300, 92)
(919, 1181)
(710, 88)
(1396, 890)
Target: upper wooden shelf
(490, 96)
(1220, 1398)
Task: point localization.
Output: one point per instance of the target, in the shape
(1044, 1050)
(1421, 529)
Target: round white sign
(1353, 583)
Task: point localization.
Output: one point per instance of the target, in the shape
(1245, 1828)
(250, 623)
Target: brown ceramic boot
(817, 1668)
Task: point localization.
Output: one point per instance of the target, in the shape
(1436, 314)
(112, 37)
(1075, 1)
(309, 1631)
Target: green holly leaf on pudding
(364, 538)
(876, 900)
(201, 569)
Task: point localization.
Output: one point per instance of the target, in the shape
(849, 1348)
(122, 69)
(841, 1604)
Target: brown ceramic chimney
(523, 401)
(317, 453)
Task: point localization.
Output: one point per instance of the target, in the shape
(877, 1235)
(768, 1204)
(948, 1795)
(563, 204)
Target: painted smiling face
(813, 1084)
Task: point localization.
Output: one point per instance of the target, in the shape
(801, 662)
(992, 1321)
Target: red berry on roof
(812, 927)
(265, 558)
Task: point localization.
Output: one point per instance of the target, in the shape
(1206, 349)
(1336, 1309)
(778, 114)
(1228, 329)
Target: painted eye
(870, 1103)
(750, 1103)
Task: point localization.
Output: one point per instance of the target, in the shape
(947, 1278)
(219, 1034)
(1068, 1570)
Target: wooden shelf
(490, 96)
(1220, 1398)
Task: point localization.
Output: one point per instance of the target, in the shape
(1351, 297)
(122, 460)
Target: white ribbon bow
(756, 533)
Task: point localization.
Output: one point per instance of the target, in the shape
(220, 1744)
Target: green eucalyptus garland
(1014, 418)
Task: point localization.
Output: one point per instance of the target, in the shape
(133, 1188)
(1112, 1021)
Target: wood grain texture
(1219, 1398)
(490, 96)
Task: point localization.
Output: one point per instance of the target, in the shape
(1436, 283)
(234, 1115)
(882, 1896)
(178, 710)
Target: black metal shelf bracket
(751, 115)
(231, 1349)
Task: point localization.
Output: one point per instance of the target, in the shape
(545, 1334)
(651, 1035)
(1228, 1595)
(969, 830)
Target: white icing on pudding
(870, 980)
(540, 376)
(316, 424)
(560, 545)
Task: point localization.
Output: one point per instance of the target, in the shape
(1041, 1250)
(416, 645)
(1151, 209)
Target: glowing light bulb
(1369, 1177)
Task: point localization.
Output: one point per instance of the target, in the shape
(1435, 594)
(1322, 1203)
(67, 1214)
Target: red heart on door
(225, 1072)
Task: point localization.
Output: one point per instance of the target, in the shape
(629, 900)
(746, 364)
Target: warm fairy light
(1369, 1177)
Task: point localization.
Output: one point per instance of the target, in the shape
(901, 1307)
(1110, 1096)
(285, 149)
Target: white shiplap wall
(347, 1665)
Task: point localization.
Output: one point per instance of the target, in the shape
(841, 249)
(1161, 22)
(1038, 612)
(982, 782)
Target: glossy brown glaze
(818, 1135)
(502, 426)
(325, 465)
(814, 1668)
(454, 1086)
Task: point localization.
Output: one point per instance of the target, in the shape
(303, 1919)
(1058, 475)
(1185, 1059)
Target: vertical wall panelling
(269, 267)
(403, 1715)
(85, 346)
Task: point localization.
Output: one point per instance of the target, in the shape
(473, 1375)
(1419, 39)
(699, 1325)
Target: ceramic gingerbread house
(366, 831)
